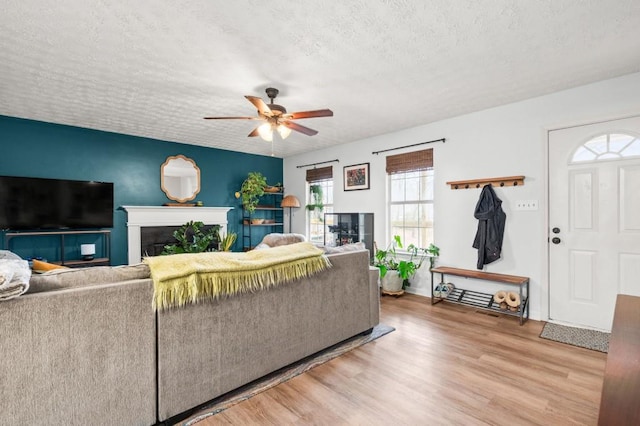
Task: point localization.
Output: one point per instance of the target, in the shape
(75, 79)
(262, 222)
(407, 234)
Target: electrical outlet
(526, 205)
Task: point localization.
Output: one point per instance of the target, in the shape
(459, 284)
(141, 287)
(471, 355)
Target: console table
(483, 300)
(98, 261)
(621, 389)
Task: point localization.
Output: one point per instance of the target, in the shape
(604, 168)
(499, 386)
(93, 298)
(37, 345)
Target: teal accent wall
(38, 149)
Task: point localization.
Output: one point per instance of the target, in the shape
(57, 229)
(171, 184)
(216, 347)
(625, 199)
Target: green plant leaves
(252, 189)
(387, 260)
(316, 198)
(227, 241)
(383, 270)
(192, 239)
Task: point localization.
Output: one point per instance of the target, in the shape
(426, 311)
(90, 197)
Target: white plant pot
(391, 281)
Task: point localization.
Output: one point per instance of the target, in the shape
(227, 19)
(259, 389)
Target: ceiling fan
(277, 118)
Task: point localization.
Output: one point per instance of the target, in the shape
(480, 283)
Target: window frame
(318, 237)
(610, 154)
(428, 174)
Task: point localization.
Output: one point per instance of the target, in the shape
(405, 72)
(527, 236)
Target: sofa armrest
(79, 356)
(374, 288)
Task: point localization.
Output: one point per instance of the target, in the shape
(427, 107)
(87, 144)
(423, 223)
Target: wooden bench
(620, 402)
(483, 300)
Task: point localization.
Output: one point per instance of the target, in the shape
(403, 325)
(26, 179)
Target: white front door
(594, 220)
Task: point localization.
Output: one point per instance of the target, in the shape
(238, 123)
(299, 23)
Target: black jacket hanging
(491, 220)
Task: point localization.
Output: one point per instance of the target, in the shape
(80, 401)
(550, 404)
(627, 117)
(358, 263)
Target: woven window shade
(322, 173)
(410, 161)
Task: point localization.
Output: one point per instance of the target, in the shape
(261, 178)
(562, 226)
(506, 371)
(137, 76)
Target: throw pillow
(275, 239)
(40, 266)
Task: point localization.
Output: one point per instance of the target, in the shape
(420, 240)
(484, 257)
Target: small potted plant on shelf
(274, 188)
(403, 269)
(251, 190)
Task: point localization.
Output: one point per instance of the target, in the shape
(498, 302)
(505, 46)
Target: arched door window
(610, 146)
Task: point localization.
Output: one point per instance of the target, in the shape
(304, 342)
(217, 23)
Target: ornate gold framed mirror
(180, 178)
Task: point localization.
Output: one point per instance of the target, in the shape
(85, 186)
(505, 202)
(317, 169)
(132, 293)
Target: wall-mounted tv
(37, 203)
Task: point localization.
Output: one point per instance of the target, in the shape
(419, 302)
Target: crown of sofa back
(59, 279)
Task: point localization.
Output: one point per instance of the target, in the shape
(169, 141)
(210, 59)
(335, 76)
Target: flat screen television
(37, 203)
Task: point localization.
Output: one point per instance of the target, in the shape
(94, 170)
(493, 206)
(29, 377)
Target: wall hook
(477, 183)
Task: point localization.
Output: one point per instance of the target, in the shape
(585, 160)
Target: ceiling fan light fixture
(276, 118)
(283, 130)
(266, 132)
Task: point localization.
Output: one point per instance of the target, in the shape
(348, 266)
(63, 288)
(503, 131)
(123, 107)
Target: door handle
(556, 240)
(556, 230)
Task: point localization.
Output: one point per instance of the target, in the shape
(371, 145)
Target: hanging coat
(491, 220)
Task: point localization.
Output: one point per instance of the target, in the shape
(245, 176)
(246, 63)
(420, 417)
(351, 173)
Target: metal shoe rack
(482, 300)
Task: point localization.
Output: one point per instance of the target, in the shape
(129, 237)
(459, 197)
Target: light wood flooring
(444, 365)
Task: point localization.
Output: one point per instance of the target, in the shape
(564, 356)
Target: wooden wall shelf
(479, 183)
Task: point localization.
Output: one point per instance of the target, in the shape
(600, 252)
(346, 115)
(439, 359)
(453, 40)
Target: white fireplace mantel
(141, 216)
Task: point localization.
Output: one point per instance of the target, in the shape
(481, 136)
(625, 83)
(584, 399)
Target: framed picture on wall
(356, 177)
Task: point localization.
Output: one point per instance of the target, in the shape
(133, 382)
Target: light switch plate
(526, 205)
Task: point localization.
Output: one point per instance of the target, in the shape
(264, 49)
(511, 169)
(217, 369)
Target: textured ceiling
(155, 68)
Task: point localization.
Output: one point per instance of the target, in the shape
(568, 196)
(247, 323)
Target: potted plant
(403, 269)
(434, 252)
(316, 203)
(252, 189)
(277, 188)
(227, 241)
(191, 238)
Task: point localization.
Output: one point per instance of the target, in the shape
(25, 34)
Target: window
(611, 146)
(410, 179)
(319, 194)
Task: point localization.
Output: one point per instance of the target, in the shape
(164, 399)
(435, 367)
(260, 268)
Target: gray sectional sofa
(87, 348)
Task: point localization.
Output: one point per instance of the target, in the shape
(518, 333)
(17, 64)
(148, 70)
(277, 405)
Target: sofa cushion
(67, 278)
(345, 248)
(276, 239)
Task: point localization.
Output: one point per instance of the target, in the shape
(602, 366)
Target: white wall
(503, 141)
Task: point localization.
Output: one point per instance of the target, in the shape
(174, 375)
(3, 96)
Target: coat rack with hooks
(479, 183)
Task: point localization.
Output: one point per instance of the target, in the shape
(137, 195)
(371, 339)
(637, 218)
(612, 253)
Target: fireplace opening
(154, 238)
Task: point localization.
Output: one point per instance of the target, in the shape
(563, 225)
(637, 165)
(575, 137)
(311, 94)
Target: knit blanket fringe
(190, 278)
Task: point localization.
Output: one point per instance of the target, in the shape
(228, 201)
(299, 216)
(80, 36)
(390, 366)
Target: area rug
(286, 373)
(589, 339)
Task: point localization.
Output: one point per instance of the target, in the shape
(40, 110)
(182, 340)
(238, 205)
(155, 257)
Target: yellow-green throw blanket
(182, 278)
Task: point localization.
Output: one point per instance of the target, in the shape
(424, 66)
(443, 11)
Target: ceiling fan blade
(298, 128)
(260, 105)
(232, 118)
(310, 114)
(253, 133)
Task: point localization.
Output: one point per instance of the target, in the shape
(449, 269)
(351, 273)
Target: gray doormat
(582, 337)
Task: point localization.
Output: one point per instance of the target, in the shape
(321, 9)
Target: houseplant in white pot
(396, 269)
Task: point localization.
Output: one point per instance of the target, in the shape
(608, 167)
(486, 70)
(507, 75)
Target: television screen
(36, 203)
